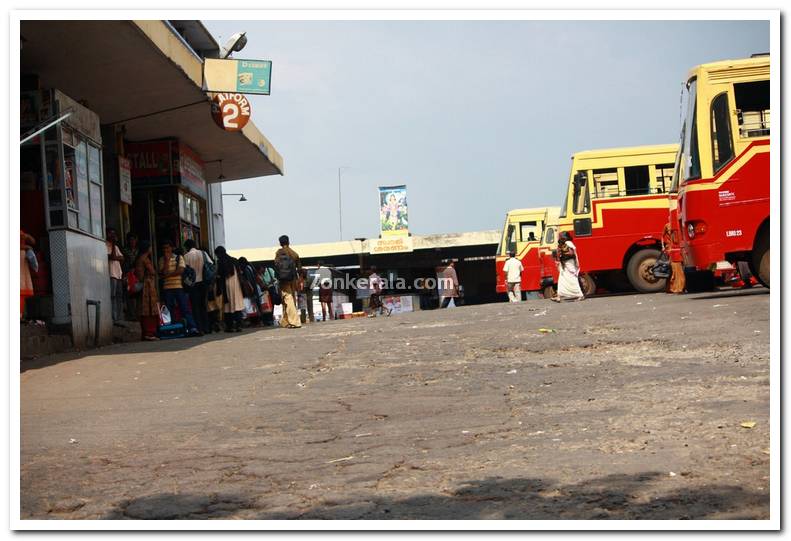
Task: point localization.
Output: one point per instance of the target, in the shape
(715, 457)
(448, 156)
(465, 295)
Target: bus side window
(605, 183)
(510, 239)
(721, 142)
(664, 177)
(582, 200)
(637, 180)
(549, 236)
(527, 231)
(752, 108)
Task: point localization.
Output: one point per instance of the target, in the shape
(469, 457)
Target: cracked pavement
(632, 408)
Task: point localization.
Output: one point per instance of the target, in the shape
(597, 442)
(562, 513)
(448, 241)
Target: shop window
(721, 145)
(605, 183)
(637, 180)
(529, 231)
(664, 177)
(752, 108)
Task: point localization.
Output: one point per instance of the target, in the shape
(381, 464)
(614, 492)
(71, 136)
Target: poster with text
(393, 214)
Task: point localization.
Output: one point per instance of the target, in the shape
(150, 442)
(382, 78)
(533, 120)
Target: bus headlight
(691, 230)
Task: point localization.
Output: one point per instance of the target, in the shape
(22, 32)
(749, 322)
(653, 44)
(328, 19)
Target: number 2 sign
(231, 112)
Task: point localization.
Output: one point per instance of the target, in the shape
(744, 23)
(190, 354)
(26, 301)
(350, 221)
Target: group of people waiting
(204, 292)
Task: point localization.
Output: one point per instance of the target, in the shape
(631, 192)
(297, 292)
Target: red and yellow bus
(616, 208)
(523, 233)
(722, 171)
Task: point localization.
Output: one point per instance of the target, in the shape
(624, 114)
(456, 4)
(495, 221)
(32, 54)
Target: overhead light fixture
(242, 198)
(221, 177)
(235, 44)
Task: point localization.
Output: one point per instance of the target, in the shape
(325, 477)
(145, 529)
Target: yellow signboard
(390, 245)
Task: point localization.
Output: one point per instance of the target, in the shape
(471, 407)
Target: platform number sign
(231, 112)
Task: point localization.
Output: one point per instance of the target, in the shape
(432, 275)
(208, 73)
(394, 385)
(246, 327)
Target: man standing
(376, 286)
(513, 277)
(324, 278)
(171, 267)
(114, 258)
(195, 259)
(450, 285)
(288, 268)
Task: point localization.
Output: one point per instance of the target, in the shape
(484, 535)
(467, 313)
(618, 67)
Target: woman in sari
(677, 282)
(148, 307)
(568, 262)
(231, 290)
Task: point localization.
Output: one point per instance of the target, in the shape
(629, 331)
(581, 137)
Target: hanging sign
(232, 75)
(231, 112)
(393, 215)
(125, 179)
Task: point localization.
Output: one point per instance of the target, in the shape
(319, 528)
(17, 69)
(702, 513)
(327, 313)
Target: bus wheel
(760, 262)
(638, 270)
(548, 292)
(588, 284)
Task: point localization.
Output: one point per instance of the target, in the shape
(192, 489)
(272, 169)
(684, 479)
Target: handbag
(133, 285)
(32, 262)
(209, 269)
(188, 276)
(662, 269)
(250, 309)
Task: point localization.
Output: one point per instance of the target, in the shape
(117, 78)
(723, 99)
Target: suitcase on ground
(173, 330)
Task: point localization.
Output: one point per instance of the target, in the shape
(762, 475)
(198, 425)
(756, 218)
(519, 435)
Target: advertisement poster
(393, 214)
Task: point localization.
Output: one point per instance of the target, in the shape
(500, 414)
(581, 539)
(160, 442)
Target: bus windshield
(688, 166)
(565, 202)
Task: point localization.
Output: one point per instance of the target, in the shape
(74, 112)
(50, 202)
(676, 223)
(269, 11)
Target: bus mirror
(580, 179)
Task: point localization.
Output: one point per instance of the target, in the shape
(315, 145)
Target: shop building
(139, 152)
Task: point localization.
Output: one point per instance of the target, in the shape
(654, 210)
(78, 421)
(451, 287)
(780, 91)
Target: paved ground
(631, 409)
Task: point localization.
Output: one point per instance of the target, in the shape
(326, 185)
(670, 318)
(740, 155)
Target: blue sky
(476, 118)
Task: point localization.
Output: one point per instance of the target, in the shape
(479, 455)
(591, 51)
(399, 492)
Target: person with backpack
(233, 309)
(287, 268)
(203, 266)
(172, 269)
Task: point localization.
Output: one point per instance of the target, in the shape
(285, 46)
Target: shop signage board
(393, 212)
(125, 178)
(191, 171)
(390, 245)
(230, 112)
(237, 75)
(166, 163)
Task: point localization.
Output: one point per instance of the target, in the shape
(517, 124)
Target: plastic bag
(32, 262)
(164, 315)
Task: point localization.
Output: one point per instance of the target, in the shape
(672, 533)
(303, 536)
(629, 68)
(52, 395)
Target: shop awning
(142, 75)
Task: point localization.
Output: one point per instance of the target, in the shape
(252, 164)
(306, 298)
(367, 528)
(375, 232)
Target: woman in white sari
(569, 270)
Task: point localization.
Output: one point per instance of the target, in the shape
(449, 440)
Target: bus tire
(588, 284)
(548, 292)
(760, 259)
(638, 270)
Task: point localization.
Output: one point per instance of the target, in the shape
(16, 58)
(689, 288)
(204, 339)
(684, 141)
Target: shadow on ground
(610, 497)
(725, 294)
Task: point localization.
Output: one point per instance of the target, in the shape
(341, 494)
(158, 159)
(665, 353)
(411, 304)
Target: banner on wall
(393, 211)
(125, 179)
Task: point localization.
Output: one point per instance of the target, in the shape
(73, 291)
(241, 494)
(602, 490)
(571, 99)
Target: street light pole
(340, 209)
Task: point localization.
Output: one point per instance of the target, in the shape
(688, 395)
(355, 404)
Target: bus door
(529, 235)
(581, 209)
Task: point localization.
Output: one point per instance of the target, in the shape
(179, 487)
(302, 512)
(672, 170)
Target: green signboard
(237, 75)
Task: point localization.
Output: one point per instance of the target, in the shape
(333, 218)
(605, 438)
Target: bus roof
(534, 211)
(725, 66)
(625, 151)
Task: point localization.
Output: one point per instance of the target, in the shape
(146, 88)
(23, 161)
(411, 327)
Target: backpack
(188, 276)
(286, 267)
(209, 269)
